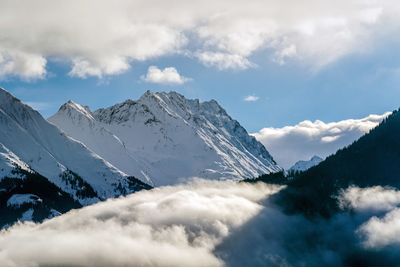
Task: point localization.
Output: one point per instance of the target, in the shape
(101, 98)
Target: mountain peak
(316, 158)
(214, 107)
(73, 108)
(171, 137)
(162, 96)
(129, 102)
(162, 93)
(38, 158)
(54, 155)
(177, 104)
(303, 165)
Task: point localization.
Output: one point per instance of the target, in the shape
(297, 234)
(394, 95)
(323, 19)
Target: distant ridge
(303, 165)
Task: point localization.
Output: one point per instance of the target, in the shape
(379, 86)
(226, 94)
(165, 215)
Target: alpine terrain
(44, 172)
(163, 138)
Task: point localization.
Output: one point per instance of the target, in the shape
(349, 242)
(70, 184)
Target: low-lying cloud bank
(382, 230)
(306, 139)
(169, 226)
(365, 233)
(205, 223)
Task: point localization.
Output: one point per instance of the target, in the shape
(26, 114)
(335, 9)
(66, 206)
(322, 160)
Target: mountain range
(163, 138)
(78, 157)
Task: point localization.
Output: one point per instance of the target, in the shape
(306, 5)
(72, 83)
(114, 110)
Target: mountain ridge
(163, 131)
(30, 147)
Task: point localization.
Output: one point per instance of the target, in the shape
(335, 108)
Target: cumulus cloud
(83, 68)
(25, 66)
(168, 75)
(251, 98)
(168, 226)
(223, 34)
(306, 139)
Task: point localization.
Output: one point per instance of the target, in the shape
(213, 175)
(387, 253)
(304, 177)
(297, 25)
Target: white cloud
(381, 232)
(167, 226)
(251, 98)
(25, 66)
(378, 209)
(83, 68)
(207, 223)
(306, 139)
(377, 231)
(223, 61)
(168, 75)
(371, 198)
(362, 236)
(223, 34)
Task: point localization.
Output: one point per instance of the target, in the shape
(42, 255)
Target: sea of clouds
(210, 223)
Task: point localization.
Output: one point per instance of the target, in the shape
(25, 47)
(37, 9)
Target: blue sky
(330, 62)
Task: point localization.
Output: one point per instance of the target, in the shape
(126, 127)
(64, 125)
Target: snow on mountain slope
(78, 122)
(64, 161)
(170, 138)
(9, 162)
(303, 165)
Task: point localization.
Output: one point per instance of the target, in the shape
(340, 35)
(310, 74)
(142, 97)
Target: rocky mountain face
(163, 138)
(79, 157)
(35, 155)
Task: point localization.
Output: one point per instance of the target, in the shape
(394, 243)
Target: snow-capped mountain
(26, 195)
(303, 165)
(164, 137)
(78, 122)
(9, 162)
(30, 143)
